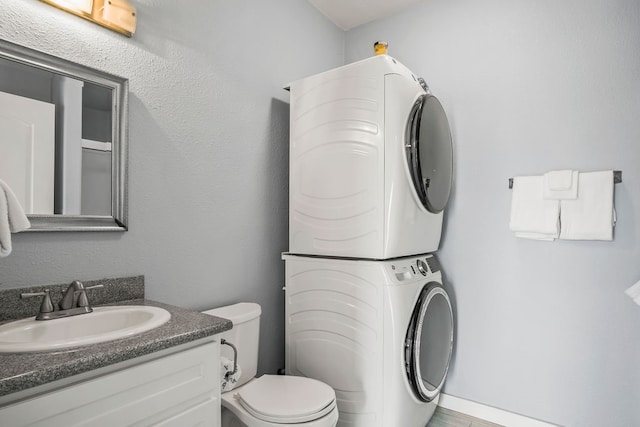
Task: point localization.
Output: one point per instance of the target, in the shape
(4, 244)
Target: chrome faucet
(69, 297)
(69, 305)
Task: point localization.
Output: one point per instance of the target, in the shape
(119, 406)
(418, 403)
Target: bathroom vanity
(168, 376)
(180, 389)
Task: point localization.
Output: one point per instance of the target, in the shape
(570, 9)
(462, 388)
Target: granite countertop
(21, 371)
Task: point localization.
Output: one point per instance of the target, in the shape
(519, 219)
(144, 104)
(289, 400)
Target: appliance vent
(433, 263)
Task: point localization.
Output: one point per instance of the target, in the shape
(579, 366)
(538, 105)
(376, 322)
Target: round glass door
(429, 153)
(429, 342)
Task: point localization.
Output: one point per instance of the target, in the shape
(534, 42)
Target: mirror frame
(119, 129)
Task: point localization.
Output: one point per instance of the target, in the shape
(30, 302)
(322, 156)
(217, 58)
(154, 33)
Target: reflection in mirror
(63, 141)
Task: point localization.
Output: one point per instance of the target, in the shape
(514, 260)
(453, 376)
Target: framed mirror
(63, 141)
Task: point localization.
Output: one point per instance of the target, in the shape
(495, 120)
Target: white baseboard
(489, 413)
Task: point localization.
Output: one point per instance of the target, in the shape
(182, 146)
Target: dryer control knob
(422, 267)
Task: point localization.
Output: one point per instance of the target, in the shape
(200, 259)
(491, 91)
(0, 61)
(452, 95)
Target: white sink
(103, 324)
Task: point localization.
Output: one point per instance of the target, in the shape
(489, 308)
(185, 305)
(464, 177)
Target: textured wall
(544, 329)
(208, 148)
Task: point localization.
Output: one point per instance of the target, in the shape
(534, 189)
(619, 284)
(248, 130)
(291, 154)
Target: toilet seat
(286, 399)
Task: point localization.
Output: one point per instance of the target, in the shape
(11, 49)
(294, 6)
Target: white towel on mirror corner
(590, 216)
(560, 185)
(12, 218)
(533, 217)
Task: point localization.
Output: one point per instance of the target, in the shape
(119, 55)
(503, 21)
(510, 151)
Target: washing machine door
(429, 152)
(429, 342)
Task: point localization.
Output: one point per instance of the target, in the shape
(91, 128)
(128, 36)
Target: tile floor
(448, 418)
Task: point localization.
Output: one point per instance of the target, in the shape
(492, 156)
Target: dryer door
(429, 342)
(429, 152)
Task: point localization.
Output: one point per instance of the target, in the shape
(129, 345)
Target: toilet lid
(287, 399)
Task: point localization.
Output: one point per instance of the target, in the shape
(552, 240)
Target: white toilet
(271, 400)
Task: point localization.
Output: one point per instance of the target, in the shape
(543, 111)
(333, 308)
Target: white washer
(370, 163)
(380, 333)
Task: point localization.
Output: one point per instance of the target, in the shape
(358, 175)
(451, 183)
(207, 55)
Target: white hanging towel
(533, 217)
(590, 216)
(12, 218)
(560, 185)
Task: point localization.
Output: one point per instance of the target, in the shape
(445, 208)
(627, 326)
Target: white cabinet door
(204, 414)
(27, 151)
(182, 389)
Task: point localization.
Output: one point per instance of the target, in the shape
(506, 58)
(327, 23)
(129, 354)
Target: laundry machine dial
(422, 267)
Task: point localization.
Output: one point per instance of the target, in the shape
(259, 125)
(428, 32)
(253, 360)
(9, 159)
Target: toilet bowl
(269, 400)
(276, 400)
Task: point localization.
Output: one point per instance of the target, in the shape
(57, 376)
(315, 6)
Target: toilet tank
(245, 335)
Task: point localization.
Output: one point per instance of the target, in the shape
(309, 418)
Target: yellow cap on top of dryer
(380, 48)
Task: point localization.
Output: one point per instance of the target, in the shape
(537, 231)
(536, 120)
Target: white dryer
(370, 163)
(380, 333)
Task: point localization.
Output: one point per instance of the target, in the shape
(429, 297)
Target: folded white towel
(560, 185)
(559, 180)
(532, 216)
(12, 218)
(536, 236)
(590, 216)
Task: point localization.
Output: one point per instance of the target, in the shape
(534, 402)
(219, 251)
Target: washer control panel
(411, 268)
(422, 267)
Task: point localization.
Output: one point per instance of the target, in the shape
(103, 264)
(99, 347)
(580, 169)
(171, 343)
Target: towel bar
(617, 178)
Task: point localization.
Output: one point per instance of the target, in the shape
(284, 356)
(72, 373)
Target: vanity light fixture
(116, 15)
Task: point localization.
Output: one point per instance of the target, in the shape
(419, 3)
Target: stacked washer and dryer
(370, 175)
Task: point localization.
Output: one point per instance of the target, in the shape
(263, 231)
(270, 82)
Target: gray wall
(208, 149)
(544, 329)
